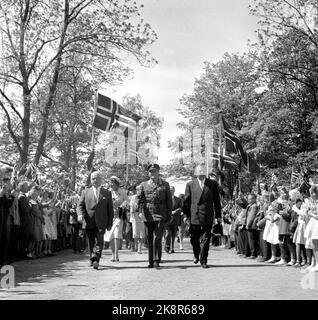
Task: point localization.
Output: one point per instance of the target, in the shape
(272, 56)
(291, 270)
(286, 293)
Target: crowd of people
(37, 222)
(276, 226)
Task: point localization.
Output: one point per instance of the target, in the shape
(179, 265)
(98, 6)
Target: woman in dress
(49, 231)
(120, 204)
(137, 219)
(36, 211)
(298, 237)
(311, 232)
(305, 207)
(272, 234)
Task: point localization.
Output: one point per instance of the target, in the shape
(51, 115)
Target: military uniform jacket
(157, 200)
(202, 206)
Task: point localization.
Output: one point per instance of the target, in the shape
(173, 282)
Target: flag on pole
(274, 180)
(233, 143)
(227, 162)
(108, 113)
(304, 183)
(295, 177)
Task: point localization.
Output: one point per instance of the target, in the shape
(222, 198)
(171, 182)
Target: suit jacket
(202, 206)
(176, 217)
(251, 212)
(96, 212)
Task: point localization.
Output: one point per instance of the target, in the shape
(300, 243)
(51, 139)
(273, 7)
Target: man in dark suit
(95, 211)
(156, 204)
(202, 205)
(252, 232)
(175, 221)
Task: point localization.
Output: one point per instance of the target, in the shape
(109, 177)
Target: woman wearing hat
(120, 205)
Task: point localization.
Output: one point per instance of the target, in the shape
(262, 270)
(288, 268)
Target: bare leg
(112, 245)
(30, 249)
(116, 248)
(315, 256)
(139, 240)
(274, 251)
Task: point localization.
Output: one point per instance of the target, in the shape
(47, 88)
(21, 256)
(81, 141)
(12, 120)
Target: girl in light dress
(311, 231)
(298, 237)
(120, 204)
(137, 219)
(308, 243)
(271, 231)
(48, 228)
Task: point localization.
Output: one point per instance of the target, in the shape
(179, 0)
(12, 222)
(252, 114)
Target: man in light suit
(202, 205)
(95, 211)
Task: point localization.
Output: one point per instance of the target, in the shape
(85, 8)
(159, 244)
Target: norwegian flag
(108, 113)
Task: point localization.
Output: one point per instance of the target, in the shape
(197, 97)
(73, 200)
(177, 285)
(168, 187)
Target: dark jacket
(176, 212)
(202, 206)
(157, 203)
(96, 213)
(251, 212)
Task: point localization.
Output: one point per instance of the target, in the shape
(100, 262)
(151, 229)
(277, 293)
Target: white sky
(189, 33)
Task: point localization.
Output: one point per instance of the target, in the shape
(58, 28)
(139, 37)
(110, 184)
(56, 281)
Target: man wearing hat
(157, 206)
(202, 204)
(95, 211)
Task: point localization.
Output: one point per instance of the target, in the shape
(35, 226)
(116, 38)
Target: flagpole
(137, 125)
(207, 155)
(291, 178)
(95, 109)
(220, 146)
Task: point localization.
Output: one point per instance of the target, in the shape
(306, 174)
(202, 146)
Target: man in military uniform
(157, 206)
(202, 205)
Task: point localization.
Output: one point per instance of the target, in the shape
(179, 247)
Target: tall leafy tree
(39, 37)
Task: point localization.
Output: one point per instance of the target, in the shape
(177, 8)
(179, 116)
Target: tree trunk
(73, 182)
(26, 126)
(53, 86)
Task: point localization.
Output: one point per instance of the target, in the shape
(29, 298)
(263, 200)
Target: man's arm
(169, 199)
(187, 201)
(216, 200)
(81, 208)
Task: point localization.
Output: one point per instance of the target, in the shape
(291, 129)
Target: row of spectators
(33, 222)
(278, 227)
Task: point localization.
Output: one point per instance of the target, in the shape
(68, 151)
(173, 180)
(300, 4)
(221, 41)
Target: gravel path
(68, 276)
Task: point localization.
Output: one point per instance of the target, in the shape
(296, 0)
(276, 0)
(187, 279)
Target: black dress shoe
(204, 265)
(195, 260)
(156, 264)
(150, 265)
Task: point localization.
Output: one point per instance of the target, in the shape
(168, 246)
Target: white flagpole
(95, 110)
(220, 146)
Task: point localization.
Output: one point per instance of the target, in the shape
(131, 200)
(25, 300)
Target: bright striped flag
(108, 114)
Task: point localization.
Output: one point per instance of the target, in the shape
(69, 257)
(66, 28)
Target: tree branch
(9, 126)
(11, 104)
